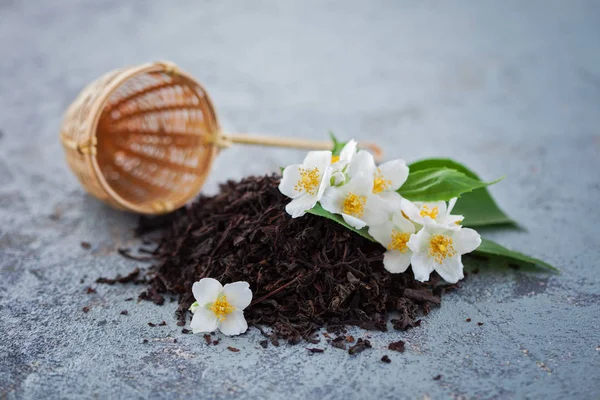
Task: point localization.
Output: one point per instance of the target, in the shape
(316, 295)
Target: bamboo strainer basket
(143, 138)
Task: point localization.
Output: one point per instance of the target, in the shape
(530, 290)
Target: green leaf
(321, 212)
(337, 145)
(478, 206)
(434, 184)
(490, 248)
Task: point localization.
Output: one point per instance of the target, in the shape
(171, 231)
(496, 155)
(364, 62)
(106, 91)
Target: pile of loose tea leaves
(305, 273)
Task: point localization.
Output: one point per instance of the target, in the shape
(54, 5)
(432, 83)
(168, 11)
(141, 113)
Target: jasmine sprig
(404, 208)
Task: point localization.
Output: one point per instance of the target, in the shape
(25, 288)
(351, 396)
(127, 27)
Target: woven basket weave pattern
(141, 138)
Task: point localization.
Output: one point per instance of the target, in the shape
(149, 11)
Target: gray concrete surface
(509, 87)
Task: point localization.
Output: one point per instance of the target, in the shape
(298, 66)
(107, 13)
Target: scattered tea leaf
(131, 277)
(207, 338)
(360, 346)
(314, 350)
(397, 346)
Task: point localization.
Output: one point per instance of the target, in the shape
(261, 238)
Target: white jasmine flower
(440, 249)
(387, 178)
(394, 236)
(355, 202)
(220, 306)
(305, 183)
(346, 155)
(435, 213)
(339, 163)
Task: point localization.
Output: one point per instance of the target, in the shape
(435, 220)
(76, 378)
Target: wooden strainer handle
(264, 140)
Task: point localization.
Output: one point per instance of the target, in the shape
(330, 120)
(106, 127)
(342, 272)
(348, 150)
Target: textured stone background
(508, 87)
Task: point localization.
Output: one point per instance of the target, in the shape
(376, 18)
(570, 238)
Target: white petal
(402, 224)
(360, 184)
(348, 151)
(396, 261)
(419, 242)
(333, 200)
(233, 324)
(291, 176)
(412, 211)
(238, 294)
(354, 222)
(382, 233)
(451, 269)
(298, 207)
(376, 211)
(441, 205)
(421, 266)
(466, 240)
(325, 182)
(206, 290)
(437, 229)
(451, 221)
(203, 321)
(318, 159)
(364, 162)
(393, 201)
(396, 171)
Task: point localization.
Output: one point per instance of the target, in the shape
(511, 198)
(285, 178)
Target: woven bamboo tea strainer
(144, 138)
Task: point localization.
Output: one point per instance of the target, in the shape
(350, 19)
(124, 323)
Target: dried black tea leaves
(305, 273)
(397, 346)
(360, 346)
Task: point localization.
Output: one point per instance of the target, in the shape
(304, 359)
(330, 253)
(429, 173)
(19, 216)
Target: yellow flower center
(380, 183)
(441, 247)
(431, 213)
(221, 307)
(309, 181)
(399, 241)
(354, 205)
(335, 159)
